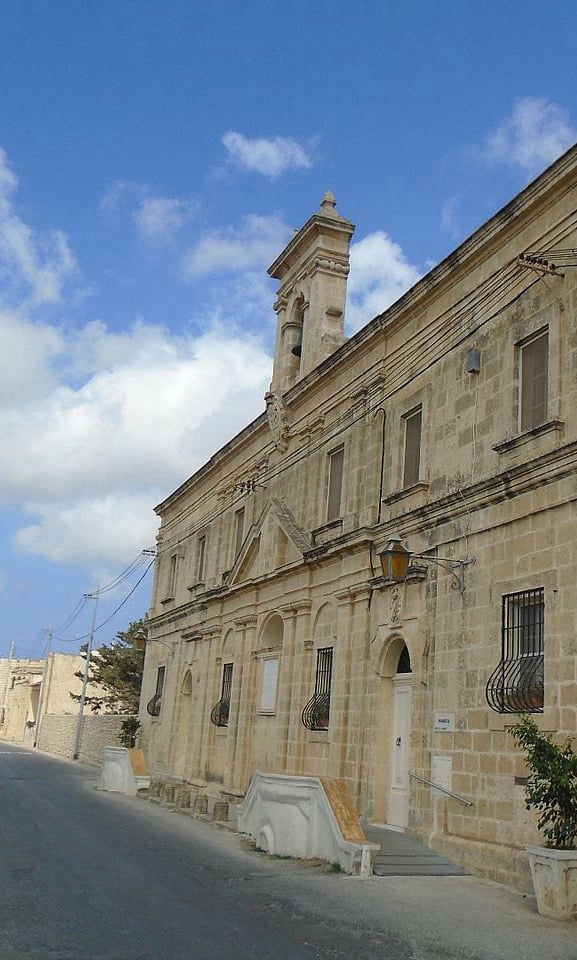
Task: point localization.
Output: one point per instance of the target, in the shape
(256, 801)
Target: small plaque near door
(444, 721)
(442, 772)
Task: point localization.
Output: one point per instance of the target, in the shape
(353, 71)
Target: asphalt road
(92, 876)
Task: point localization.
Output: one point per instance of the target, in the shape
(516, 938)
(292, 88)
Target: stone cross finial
(329, 200)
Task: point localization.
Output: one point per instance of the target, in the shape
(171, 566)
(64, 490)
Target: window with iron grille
(316, 713)
(155, 703)
(516, 684)
(220, 711)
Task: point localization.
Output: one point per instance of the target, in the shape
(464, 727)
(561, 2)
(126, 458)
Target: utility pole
(6, 682)
(80, 724)
(43, 684)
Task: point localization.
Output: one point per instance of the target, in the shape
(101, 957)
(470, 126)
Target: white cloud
(97, 530)
(150, 419)
(269, 157)
(157, 219)
(33, 268)
(89, 462)
(380, 274)
(97, 425)
(27, 352)
(231, 250)
(537, 132)
(122, 193)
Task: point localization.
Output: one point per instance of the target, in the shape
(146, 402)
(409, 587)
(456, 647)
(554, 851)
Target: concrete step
(402, 855)
(418, 870)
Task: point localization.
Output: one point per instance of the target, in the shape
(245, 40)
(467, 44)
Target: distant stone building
(20, 683)
(283, 639)
(38, 710)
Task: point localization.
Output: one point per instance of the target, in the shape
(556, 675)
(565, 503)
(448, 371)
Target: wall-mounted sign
(441, 772)
(444, 721)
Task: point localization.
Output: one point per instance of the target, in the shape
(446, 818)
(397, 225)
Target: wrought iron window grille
(154, 705)
(517, 682)
(316, 713)
(221, 710)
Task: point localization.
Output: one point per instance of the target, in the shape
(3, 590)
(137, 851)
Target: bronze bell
(298, 347)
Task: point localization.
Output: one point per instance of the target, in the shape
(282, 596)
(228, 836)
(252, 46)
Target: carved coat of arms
(277, 420)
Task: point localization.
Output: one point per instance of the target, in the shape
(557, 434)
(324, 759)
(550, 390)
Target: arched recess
(272, 634)
(271, 644)
(293, 336)
(183, 732)
(393, 657)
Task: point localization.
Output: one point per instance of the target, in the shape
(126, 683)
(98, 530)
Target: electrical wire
(113, 614)
(346, 420)
(132, 568)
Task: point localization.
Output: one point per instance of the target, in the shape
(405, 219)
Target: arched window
(404, 664)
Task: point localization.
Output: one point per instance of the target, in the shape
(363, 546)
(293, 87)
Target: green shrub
(552, 785)
(128, 732)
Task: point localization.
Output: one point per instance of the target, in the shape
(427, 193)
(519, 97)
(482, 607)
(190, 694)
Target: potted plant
(128, 732)
(551, 791)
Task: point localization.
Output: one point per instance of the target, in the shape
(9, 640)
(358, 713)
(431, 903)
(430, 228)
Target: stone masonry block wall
(58, 733)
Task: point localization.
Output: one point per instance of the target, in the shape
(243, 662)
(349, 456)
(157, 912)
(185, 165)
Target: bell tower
(312, 271)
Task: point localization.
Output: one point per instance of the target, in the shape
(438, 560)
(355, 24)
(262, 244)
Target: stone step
(418, 870)
(402, 855)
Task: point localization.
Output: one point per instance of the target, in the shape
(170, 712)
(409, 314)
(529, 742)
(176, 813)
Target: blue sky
(155, 158)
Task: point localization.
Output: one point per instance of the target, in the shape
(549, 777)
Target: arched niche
(273, 631)
(228, 646)
(186, 685)
(391, 657)
(324, 626)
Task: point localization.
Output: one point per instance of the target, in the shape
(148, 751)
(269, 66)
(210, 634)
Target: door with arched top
(398, 800)
(182, 738)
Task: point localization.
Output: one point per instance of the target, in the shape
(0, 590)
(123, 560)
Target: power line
(498, 284)
(133, 566)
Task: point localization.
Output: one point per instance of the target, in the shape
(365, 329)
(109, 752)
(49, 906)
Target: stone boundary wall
(58, 733)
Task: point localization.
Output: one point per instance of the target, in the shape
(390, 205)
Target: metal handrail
(467, 803)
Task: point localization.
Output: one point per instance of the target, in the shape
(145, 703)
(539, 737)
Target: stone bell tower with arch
(312, 271)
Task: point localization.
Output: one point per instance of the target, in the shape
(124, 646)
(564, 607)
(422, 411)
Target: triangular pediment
(273, 541)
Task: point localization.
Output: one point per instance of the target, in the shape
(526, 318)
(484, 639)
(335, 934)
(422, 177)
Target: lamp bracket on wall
(396, 563)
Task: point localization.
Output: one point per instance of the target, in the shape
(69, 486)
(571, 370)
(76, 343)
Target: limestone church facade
(442, 439)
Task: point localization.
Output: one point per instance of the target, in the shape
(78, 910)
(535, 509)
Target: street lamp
(395, 562)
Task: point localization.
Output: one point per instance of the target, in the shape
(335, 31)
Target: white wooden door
(399, 792)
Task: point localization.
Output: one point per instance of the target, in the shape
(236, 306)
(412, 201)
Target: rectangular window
(335, 488)
(172, 575)
(316, 713)
(239, 531)
(160, 681)
(269, 685)
(200, 556)
(534, 361)
(523, 624)
(516, 685)
(220, 712)
(155, 703)
(412, 460)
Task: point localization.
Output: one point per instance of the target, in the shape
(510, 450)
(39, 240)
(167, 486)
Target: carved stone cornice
(243, 623)
(296, 607)
(327, 265)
